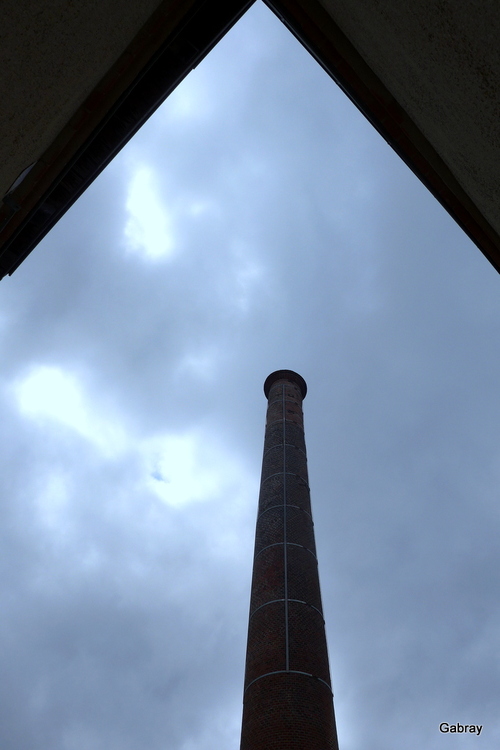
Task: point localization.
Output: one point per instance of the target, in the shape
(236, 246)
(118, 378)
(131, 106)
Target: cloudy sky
(256, 222)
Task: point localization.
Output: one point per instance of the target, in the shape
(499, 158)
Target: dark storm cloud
(299, 240)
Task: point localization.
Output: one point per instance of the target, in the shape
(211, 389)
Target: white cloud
(191, 101)
(202, 365)
(148, 230)
(52, 501)
(178, 468)
(248, 279)
(248, 276)
(55, 396)
(201, 207)
(181, 469)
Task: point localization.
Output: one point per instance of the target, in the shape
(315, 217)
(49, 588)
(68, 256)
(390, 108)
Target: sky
(256, 222)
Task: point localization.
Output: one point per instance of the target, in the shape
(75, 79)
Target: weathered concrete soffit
(425, 74)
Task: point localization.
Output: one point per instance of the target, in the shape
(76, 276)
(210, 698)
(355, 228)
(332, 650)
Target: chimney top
(290, 375)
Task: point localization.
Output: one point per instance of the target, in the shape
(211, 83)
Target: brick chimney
(288, 702)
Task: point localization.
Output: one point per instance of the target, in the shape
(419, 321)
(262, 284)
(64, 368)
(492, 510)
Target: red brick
(288, 703)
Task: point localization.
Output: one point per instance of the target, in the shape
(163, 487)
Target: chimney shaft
(288, 703)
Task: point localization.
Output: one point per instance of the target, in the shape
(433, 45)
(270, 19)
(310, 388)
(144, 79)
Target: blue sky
(256, 222)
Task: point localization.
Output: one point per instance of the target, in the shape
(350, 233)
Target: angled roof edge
(322, 37)
(173, 41)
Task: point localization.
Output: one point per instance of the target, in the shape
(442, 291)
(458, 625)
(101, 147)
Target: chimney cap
(290, 375)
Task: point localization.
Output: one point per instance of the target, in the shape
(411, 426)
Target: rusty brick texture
(288, 702)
